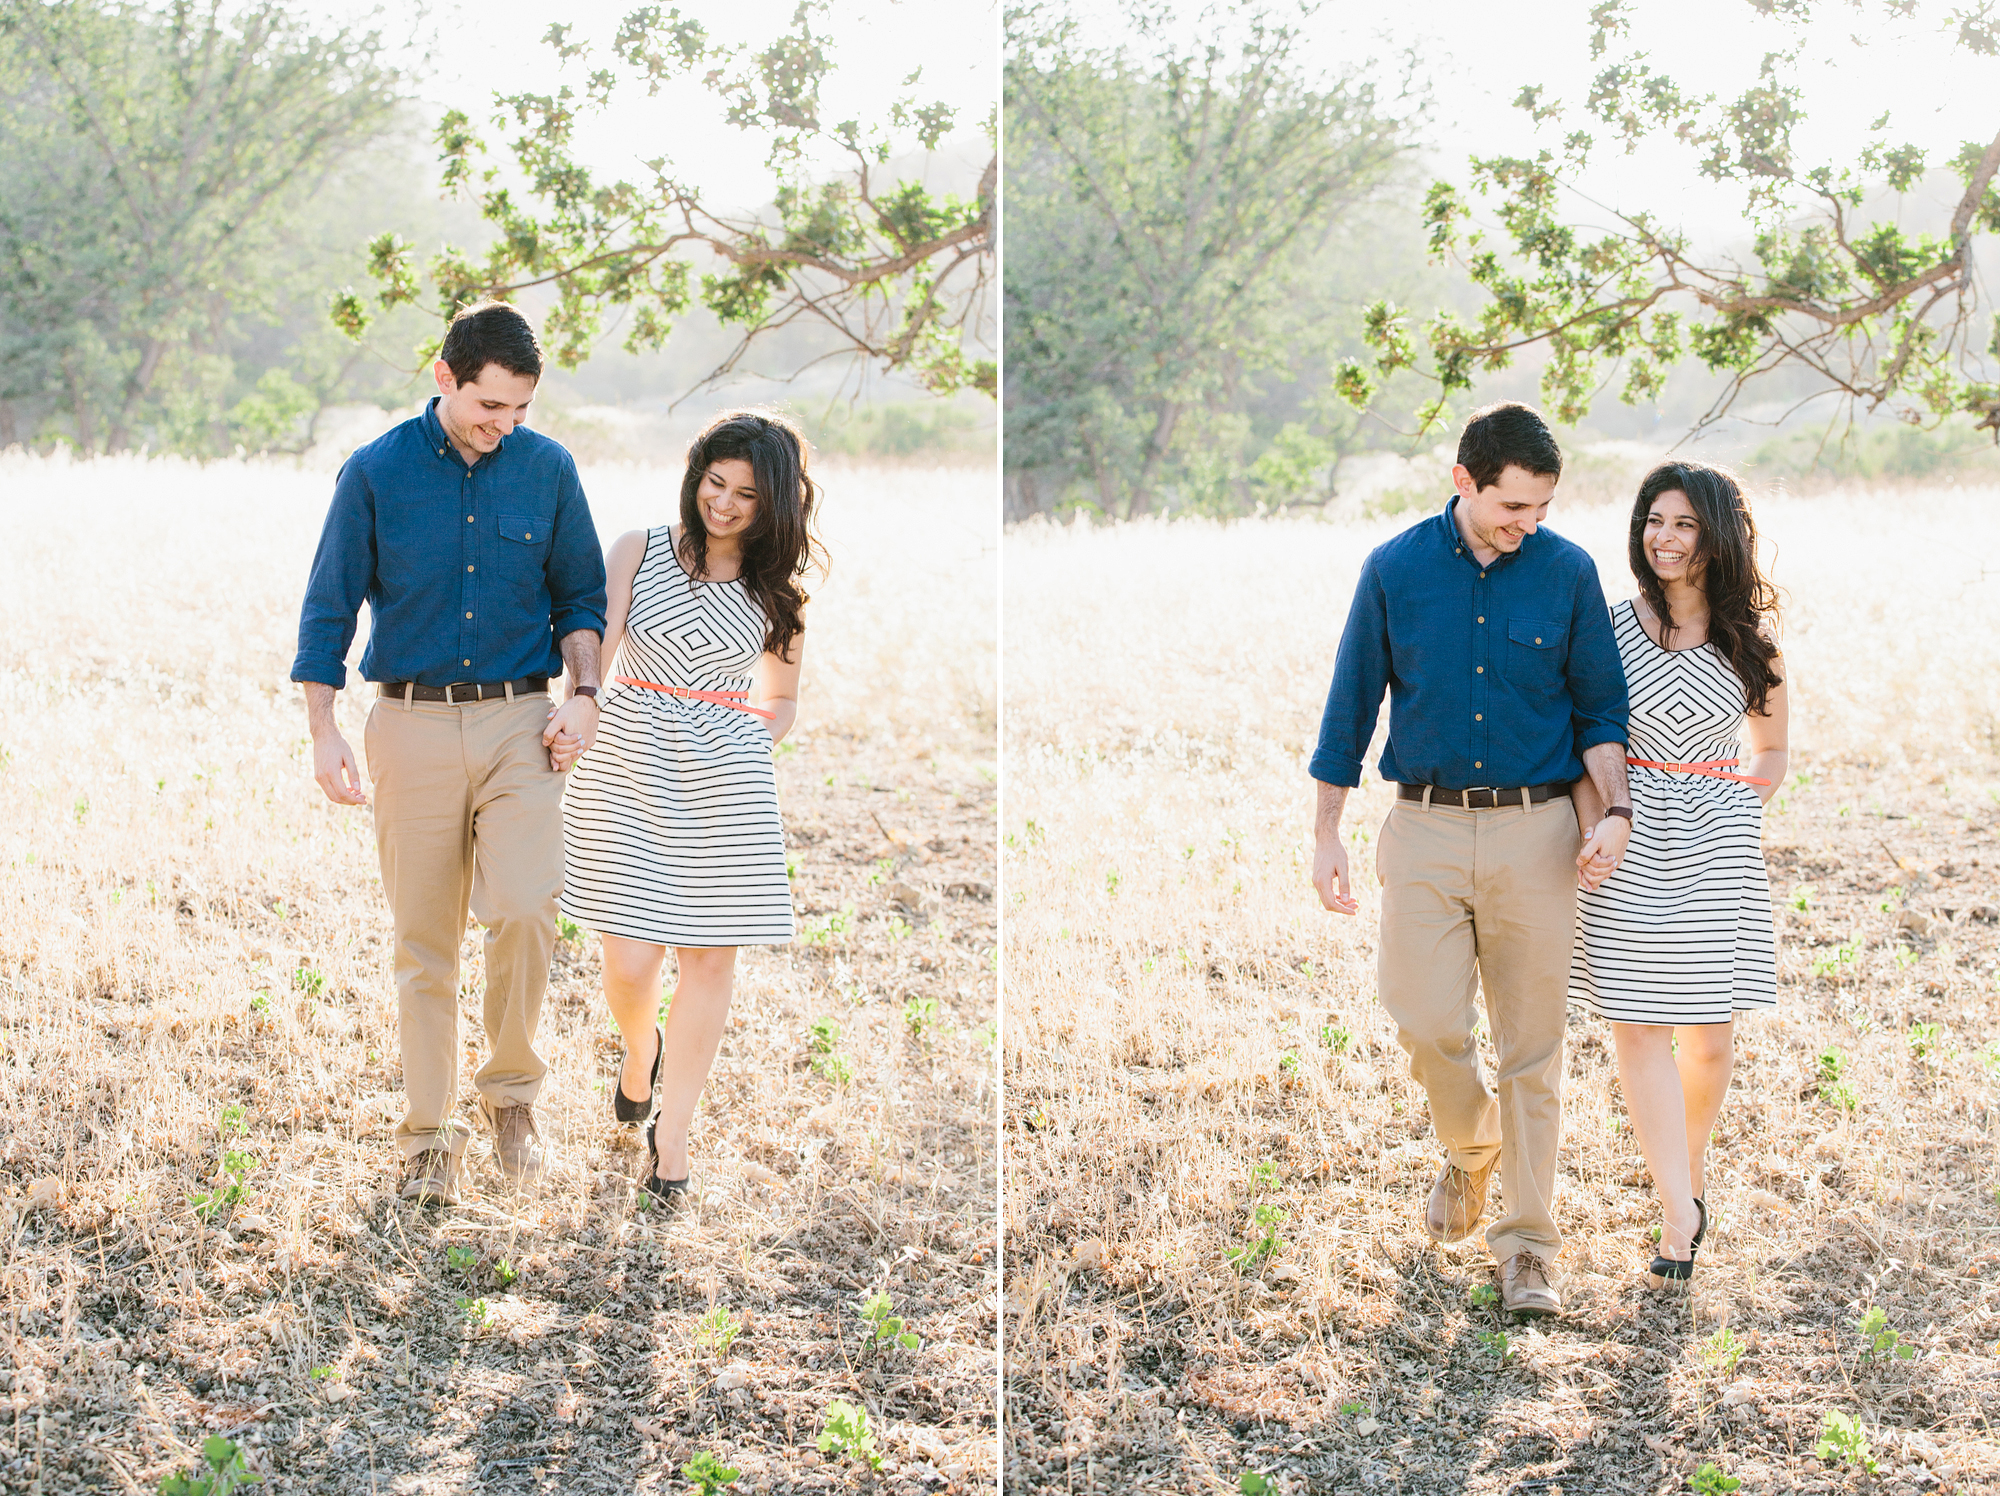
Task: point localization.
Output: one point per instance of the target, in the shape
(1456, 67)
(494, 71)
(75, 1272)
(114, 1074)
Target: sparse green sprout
(1879, 1342)
(1831, 1063)
(1711, 1480)
(506, 1272)
(919, 1015)
(849, 1433)
(229, 1190)
(898, 927)
(708, 1474)
(231, 1121)
(1288, 1063)
(879, 874)
(1802, 897)
(462, 1259)
(1723, 1350)
(1842, 1442)
(476, 1311)
(1483, 1296)
(1497, 1345)
(260, 1003)
(822, 1035)
(309, 980)
(717, 1331)
(1989, 1059)
(1842, 1095)
(226, 1472)
(322, 1373)
(828, 929)
(835, 1067)
(1250, 1483)
(1265, 1175)
(884, 1327)
(1928, 1042)
(568, 929)
(1266, 1245)
(1829, 963)
(1353, 1409)
(1336, 1037)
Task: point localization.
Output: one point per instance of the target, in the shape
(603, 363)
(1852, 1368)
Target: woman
(671, 831)
(1677, 940)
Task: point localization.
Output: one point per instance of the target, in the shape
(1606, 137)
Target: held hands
(1330, 877)
(1602, 851)
(335, 771)
(572, 729)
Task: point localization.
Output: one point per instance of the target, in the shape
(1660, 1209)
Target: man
(468, 537)
(1504, 683)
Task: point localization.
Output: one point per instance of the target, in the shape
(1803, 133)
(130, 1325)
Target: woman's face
(728, 498)
(1673, 538)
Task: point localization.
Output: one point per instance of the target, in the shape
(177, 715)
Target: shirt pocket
(524, 551)
(1535, 654)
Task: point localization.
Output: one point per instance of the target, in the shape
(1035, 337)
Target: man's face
(1508, 510)
(478, 414)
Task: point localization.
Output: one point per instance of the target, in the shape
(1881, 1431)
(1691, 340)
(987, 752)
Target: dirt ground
(198, 1083)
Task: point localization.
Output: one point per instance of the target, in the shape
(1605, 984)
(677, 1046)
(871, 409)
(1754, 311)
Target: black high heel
(671, 1193)
(1666, 1269)
(627, 1110)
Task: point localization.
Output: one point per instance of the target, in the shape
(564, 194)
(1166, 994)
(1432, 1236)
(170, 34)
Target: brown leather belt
(464, 693)
(1481, 796)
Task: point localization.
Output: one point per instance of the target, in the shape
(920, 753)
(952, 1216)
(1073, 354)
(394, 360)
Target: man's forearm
(1332, 801)
(579, 652)
(319, 709)
(1605, 763)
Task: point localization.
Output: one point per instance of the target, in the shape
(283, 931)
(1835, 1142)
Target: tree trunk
(10, 426)
(120, 436)
(80, 411)
(1163, 433)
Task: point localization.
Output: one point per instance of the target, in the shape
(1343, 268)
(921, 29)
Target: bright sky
(496, 46)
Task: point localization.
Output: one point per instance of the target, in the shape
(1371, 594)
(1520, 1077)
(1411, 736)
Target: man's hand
(572, 729)
(335, 770)
(1330, 877)
(1602, 851)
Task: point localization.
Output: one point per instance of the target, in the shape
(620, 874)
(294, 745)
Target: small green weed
(822, 1034)
(1268, 1244)
(310, 980)
(1831, 1062)
(884, 1328)
(1842, 1095)
(1723, 1350)
(226, 1472)
(849, 1433)
(835, 1067)
(1712, 1480)
(231, 1121)
(260, 1003)
(708, 1474)
(828, 929)
(879, 874)
(1879, 1342)
(1336, 1037)
(1842, 1442)
(1497, 1345)
(1250, 1483)
(1928, 1042)
(461, 1259)
(506, 1272)
(1802, 897)
(568, 929)
(717, 1331)
(476, 1311)
(1288, 1063)
(1265, 1175)
(1829, 963)
(229, 1191)
(1354, 1409)
(919, 1015)
(1483, 1296)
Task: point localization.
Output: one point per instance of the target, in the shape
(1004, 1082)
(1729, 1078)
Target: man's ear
(447, 382)
(1462, 480)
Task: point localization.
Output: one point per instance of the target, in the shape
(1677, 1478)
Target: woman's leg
(632, 992)
(1705, 1056)
(1652, 1087)
(695, 1021)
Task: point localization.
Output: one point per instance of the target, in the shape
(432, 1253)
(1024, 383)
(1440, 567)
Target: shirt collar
(439, 442)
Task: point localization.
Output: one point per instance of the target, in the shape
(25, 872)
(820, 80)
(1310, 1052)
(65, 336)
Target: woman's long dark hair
(780, 545)
(1742, 603)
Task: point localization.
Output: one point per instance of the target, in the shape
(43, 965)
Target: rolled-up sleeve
(1360, 676)
(1600, 709)
(575, 568)
(343, 569)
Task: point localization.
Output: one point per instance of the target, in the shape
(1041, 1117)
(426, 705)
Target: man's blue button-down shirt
(470, 574)
(1497, 675)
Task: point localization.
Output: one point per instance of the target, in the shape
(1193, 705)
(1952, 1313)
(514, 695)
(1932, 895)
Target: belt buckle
(1472, 789)
(451, 700)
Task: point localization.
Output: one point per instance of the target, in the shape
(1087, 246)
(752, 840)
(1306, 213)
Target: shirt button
(1476, 716)
(468, 615)
(1477, 764)
(1538, 639)
(468, 662)
(468, 519)
(1481, 669)
(468, 568)
(1482, 618)
(530, 537)
(1482, 576)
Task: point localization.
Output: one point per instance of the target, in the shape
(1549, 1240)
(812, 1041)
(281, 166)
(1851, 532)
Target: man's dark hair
(1509, 434)
(490, 332)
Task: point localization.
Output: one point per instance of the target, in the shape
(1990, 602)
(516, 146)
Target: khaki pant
(468, 814)
(1485, 899)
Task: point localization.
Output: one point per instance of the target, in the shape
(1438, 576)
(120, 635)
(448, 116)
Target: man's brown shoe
(517, 1143)
(1458, 1200)
(1525, 1289)
(431, 1177)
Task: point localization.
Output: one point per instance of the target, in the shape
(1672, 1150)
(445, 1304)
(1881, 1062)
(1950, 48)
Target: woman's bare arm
(1765, 737)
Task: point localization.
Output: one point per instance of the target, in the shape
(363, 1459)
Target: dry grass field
(1196, 1065)
(198, 1054)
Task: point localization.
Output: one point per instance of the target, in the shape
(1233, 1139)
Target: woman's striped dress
(1681, 933)
(671, 831)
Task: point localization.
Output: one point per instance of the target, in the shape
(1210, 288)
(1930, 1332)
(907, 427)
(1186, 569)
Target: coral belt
(738, 699)
(1714, 768)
